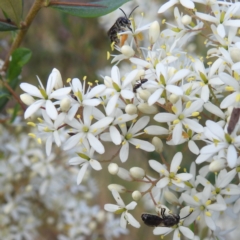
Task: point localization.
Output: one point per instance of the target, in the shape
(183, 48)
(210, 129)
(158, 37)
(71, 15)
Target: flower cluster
(193, 101)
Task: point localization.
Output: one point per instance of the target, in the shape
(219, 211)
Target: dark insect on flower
(120, 26)
(233, 120)
(138, 85)
(168, 220)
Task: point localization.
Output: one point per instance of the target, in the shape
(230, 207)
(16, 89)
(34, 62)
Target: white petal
(124, 152)
(156, 130)
(31, 90)
(132, 221)
(177, 133)
(115, 135)
(95, 164)
(96, 90)
(217, 207)
(187, 4)
(231, 156)
(176, 235)
(167, 5)
(162, 230)
(91, 102)
(118, 198)
(164, 117)
(174, 89)
(82, 172)
(111, 207)
(144, 145)
(112, 104)
(193, 125)
(179, 75)
(214, 109)
(186, 232)
(72, 141)
(155, 96)
(163, 182)
(33, 108)
(156, 166)
(60, 93)
(76, 161)
(140, 124)
(51, 110)
(176, 162)
(193, 147)
(95, 143)
(131, 205)
(128, 94)
(130, 77)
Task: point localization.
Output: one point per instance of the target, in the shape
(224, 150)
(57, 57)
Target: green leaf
(18, 59)
(7, 26)
(93, 9)
(13, 9)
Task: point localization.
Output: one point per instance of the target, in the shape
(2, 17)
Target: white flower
(170, 177)
(84, 130)
(217, 140)
(117, 88)
(123, 209)
(85, 158)
(185, 3)
(46, 96)
(202, 207)
(181, 117)
(50, 130)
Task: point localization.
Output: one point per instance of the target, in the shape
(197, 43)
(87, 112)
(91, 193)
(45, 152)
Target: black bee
(165, 220)
(138, 85)
(120, 26)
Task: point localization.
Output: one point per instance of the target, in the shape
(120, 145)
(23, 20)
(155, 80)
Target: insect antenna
(132, 11)
(123, 12)
(187, 215)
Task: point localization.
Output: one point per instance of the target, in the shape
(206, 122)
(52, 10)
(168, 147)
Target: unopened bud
(136, 195)
(170, 197)
(65, 104)
(58, 83)
(113, 168)
(117, 187)
(137, 172)
(127, 51)
(124, 174)
(27, 99)
(217, 165)
(144, 94)
(158, 144)
(131, 109)
(145, 108)
(92, 225)
(186, 19)
(235, 54)
(154, 32)
(173, 98)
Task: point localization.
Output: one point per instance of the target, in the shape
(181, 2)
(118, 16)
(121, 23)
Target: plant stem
(38, 4)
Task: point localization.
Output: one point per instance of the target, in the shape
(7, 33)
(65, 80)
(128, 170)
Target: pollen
(40, 120)
(195, 114)
(237, 97)
(90, 84)
(207, 213)
(68, 80)
(84, 78)
(196, 198)
(39, 140)
(229, 88)
(108, 55)
(176, 121)
(137, 146)
(31, 124)
(208, 202)
(32, 135)
(198, 218)
(189, 103)
(174, 109)
(123, 142)
(91, 117)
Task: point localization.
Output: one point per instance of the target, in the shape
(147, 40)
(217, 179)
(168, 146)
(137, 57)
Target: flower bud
(136, 195)
(92, 225)
(186, 19)
(124, 174)
(65, 104)
(127, 51)
(131, 109)
(173, 98)
(170, 197)
(117, 187)
(27, 99)
(145, 108)
(158, 144)
(137, 172)
(154, 32)
(217, 165)
(235, 54)
(100, 216)
(113, 168)
(144, 94)
(58, 83)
